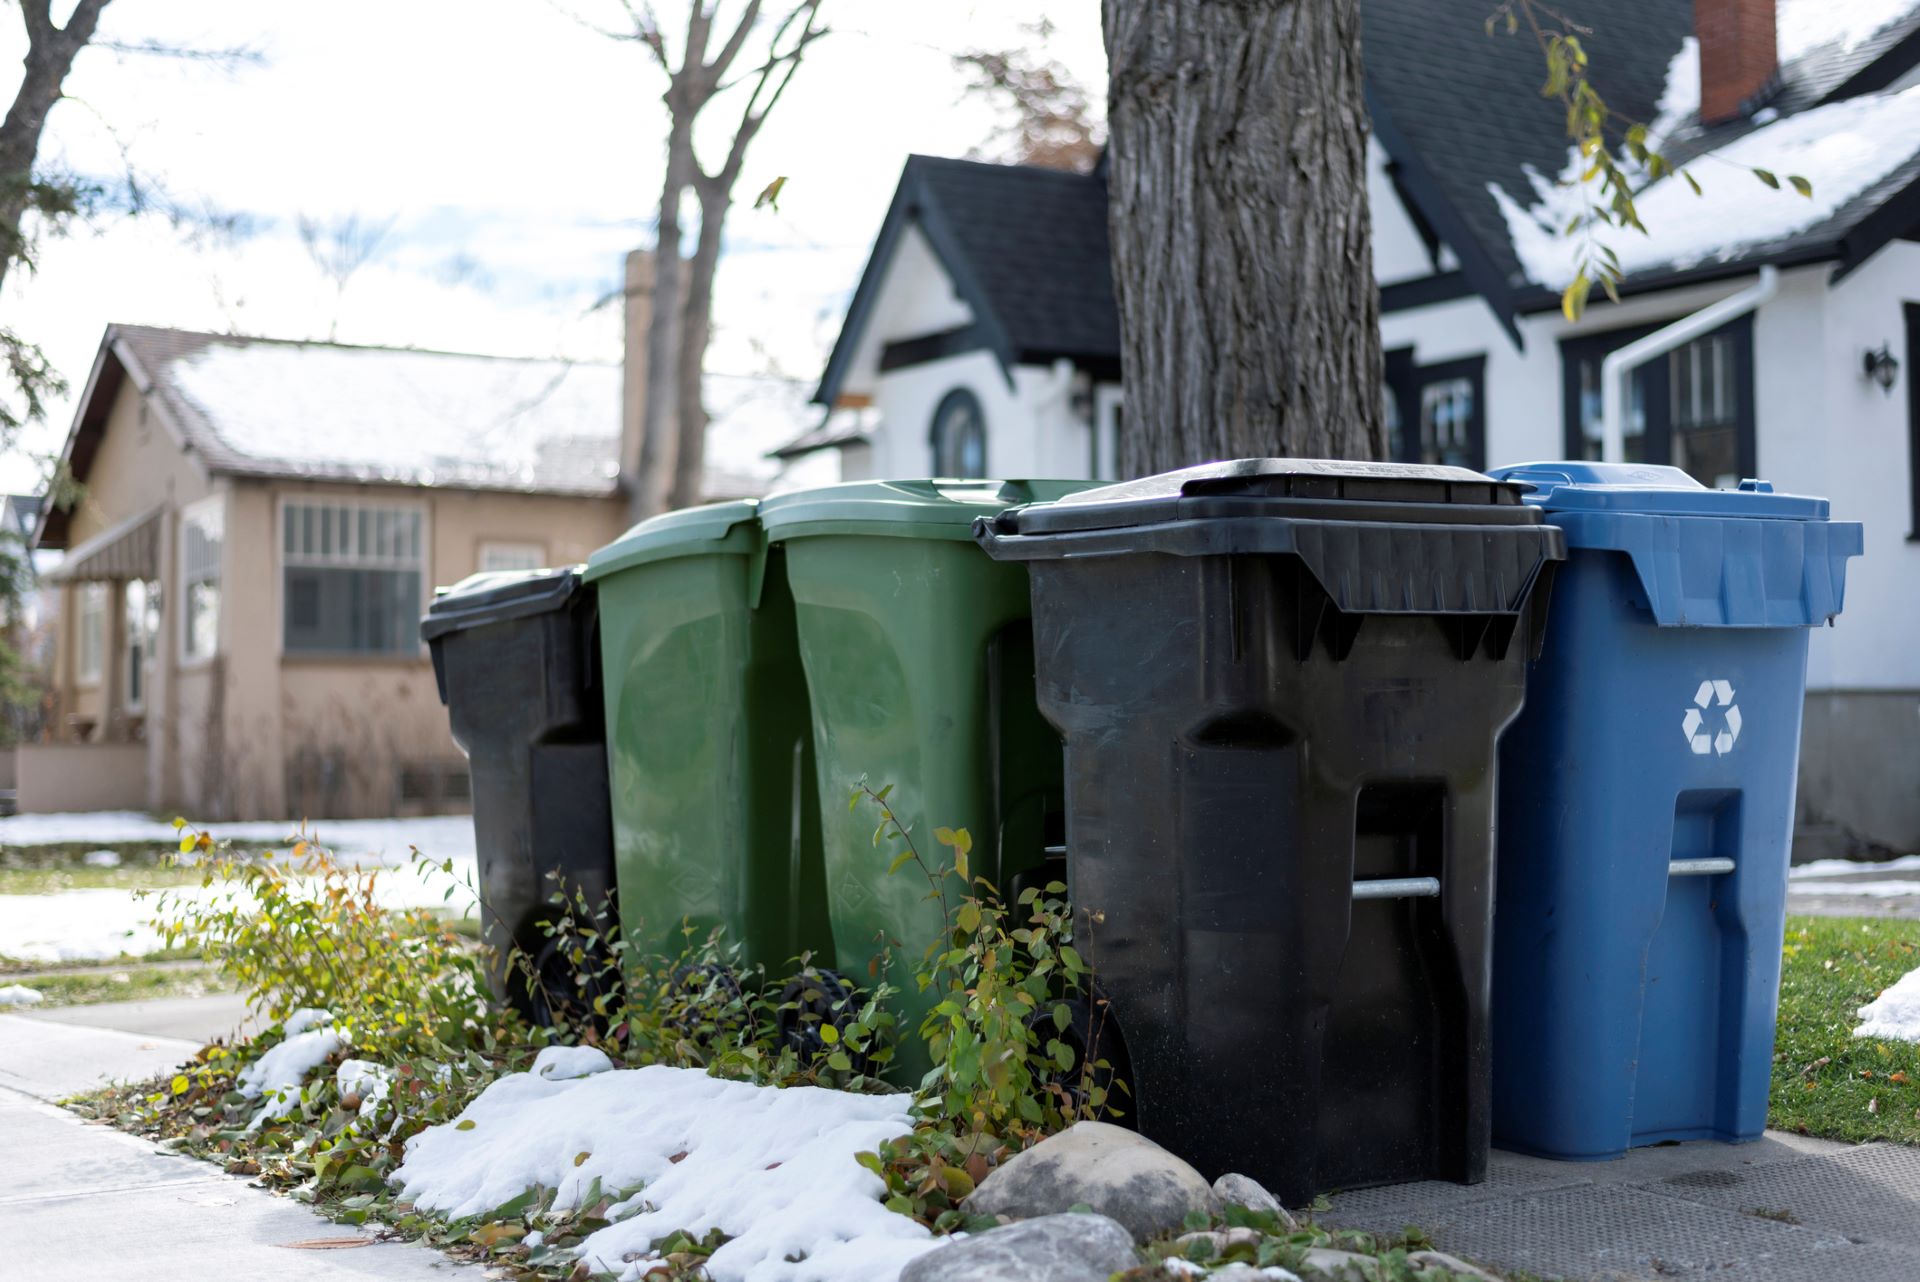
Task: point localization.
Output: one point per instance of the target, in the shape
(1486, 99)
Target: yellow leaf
(178, 823)
(578, 1158)
(181, 1084)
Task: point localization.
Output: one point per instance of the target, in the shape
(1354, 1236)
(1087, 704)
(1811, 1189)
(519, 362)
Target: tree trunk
(659, 424)
(1242, 253)
(690, 463)
(50, 54)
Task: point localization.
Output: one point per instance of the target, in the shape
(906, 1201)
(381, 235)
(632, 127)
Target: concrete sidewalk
(1784, 1209)
(85, 1200)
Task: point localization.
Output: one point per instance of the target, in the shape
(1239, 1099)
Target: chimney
(1738, 54)
(636, 317)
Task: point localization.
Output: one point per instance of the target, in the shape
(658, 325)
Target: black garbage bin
(517, 661)
(1280, 684)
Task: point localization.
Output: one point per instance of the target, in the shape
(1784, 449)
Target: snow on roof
(412, 417)
(1844, 149)
(1802, 26)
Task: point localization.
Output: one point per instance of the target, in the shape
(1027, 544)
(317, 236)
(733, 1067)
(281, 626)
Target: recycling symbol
(1693, 725)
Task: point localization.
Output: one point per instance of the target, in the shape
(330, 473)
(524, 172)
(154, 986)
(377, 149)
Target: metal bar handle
(1398, 888)
(1699, 867)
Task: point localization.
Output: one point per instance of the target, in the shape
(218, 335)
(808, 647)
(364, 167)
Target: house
(982, 336)
(263, 523)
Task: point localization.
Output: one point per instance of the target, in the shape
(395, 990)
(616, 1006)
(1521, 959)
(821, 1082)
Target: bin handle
(1699, 867)
(1397, 888)
(1532, 476)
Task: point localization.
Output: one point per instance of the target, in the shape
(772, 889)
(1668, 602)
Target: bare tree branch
(236, 56)
(731, 50)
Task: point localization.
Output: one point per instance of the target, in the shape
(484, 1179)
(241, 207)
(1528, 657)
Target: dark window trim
(956, 396)
(1910, 313)
(1405, 378)
(1657, 380)
(1425, 291)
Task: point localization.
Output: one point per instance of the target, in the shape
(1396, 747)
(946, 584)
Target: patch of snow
(771, 1168)
(20, 995)
(1895, 1014)
(1836, 867)
(386, 840)
(1864, 889)
(1802, 26)
(1680, 98)
(368, 1080)
(1842, 148)
(307, 1017)
(563, 1063)
(76, 925)
(101, 859)
(279, 1074)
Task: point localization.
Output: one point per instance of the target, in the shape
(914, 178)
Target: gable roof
(1026, 248)
(293, 410)
(1480, 151)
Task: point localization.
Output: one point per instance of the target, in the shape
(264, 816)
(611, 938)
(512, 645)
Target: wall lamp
(1882, 366)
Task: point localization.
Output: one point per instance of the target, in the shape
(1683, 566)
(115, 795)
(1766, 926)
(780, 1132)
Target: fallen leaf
(1873, 1105)
(327, 1243)
(1900, 1078)
(681, 1156)
(578, 1158)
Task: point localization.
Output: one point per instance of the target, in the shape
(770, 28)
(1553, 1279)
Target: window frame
(1656, 377)
(1910, 314)
(1406, 381)
(486, 546)
(954, 398)
(192, 514)
(138, 658)
(90, 606)
(422, 569)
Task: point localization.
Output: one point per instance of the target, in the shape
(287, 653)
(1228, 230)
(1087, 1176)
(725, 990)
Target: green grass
(11, 968)
(123, 984)
(1826, 1082)
(46, 881)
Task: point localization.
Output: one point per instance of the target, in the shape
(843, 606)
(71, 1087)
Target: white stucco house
(982, 338)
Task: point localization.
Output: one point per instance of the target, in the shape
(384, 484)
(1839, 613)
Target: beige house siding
(253, 732)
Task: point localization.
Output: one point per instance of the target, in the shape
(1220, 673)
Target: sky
(513, 151)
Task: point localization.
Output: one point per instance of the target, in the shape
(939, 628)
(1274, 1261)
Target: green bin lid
(930, 509)
(718, 529)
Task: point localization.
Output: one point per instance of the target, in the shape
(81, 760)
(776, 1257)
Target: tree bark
(1242, 252)
(50, 54)
(659, 422)
(690, 460)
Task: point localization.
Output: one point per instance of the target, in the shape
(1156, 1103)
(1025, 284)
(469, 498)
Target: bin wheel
(709, 1003)
(559, 993)
(1081, 1032)
(810, 1000)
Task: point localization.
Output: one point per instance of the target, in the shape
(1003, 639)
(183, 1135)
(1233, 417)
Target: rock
(1449, 1263)
(1248, 1273)
(1241, 1190)
(101, 859)
(1114, 1171)
(1052, 1248)
(1344, 1265)
(1219, 1239)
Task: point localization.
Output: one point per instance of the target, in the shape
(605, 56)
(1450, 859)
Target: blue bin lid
(1578, 485)
(1745, 558)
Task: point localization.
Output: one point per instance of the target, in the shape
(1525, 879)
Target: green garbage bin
(919, 660)
(716, 819)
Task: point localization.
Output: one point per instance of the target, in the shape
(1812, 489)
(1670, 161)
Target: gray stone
(1052, 1248)
(1247, 1273)
(1110, 1169)
(1347, 1266)
(1219, 1239)
(1244, 1191)
(1449, 1263)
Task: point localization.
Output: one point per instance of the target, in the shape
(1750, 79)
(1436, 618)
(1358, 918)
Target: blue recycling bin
(1646, 809)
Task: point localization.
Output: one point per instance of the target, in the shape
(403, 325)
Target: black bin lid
(1324, 489)
(497, 597)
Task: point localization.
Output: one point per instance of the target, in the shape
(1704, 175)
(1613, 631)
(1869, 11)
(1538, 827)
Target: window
(351, 577)
(1444, 402)
(512, 556)
(90, 654)
(959, 435)
(202, 531)
(1692, 408)
(143, 625)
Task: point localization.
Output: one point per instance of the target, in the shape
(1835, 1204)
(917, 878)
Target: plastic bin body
(1636, 986)
(919, 661)
(716, 820)
(1271, 716)
(513, 655)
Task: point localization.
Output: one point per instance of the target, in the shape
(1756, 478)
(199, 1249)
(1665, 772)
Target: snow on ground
(1863, 889)
(1841, 867)
(282, 1071)
(1895, 1014)
(772, 1169)
(20, 995)
(88, 925)
(1842, 148)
